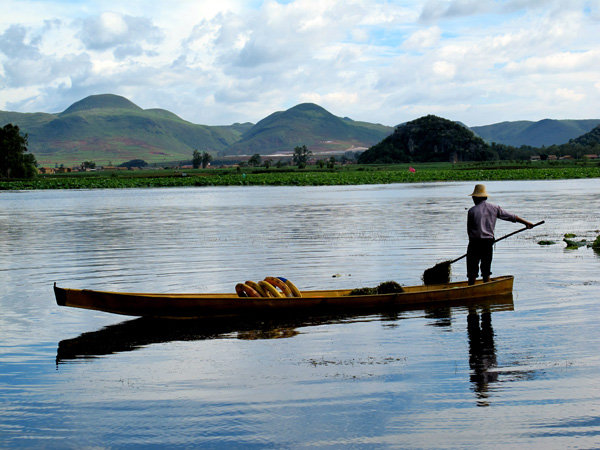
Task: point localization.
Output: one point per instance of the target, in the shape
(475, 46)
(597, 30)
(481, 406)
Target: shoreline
(336, 177)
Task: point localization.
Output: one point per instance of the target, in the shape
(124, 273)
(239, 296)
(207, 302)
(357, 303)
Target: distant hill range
(535, 134)
(110, 128)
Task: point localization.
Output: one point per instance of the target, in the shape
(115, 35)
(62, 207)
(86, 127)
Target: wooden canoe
(317, 302)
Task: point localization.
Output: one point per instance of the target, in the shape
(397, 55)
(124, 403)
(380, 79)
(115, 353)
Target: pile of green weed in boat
(387, 287)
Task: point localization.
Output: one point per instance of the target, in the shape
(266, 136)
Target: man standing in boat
(481, 222)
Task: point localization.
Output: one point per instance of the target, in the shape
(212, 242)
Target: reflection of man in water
(482, 353)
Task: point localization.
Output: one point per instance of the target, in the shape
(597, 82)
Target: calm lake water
(518, 372)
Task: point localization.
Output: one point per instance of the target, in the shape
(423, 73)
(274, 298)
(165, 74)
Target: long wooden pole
(503, 237)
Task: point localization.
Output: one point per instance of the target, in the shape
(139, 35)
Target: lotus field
(341, 175)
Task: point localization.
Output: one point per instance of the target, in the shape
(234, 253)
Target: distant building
(590, 156)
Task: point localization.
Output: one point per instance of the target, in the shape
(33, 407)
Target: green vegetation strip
(342, 176)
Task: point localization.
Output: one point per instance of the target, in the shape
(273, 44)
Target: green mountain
(536, 134)
(589, 139)
(426, 139)
(307, 124)
(108, 127)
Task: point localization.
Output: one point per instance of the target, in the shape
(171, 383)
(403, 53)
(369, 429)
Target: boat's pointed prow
(61, 296)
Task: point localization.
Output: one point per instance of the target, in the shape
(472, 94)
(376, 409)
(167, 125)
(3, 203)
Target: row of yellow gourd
(276, 287)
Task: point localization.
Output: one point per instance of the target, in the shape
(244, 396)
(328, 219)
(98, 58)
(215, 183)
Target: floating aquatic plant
(546, 242)
(573, 245)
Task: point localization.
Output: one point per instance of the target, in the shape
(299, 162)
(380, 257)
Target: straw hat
(479, 191)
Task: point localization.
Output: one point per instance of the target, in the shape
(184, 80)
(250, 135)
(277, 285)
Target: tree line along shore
(427, 149)
(351, 174)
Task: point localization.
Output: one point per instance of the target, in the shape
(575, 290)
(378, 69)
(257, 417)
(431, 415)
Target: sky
(220, 62)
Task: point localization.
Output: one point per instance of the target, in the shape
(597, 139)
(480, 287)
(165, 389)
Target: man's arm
(524, 222)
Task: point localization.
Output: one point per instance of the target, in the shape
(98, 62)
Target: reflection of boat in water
(133, 334)
(313, 302)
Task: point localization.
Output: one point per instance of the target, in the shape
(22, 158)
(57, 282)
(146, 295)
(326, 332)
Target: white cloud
(437, 9)
(125, 35)
(15, 43)
(422, 39)
(104, 31)
(434, 10)
(337, 100)
(444, 69)
(374, 60)
(558, 62)
(570, 94)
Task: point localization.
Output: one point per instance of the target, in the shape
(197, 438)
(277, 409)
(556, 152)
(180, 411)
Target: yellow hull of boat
(324, 301)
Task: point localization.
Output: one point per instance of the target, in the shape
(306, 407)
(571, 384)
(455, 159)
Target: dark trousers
(479, 255)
